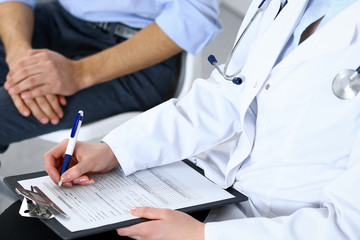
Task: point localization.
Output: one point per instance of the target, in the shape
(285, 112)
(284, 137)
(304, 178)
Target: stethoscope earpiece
(237, 80)
(212, 60)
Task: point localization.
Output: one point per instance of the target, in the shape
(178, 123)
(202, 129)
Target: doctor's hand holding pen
(89, 158)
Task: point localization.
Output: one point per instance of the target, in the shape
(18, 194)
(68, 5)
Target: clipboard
(64, 233)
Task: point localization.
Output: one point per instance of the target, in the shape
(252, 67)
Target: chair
(100, 128)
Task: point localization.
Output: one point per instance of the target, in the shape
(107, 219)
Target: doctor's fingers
(83, 180)
(151, 230)
(140, 231)
(84, 161)
(87, 155)
(77, 173)
(166, 224)
(151, 213)
(53, 160)
(161, 226)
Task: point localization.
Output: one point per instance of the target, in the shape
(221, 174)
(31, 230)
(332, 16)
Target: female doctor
(296, 151)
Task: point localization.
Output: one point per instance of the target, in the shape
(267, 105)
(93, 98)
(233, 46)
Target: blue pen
(72, 141)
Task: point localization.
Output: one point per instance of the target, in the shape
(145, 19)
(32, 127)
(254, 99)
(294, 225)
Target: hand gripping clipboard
(64, 233)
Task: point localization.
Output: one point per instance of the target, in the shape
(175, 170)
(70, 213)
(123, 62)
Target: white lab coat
(297, 156)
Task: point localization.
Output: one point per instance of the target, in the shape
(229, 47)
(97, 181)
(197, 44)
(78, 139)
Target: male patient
(104, 57)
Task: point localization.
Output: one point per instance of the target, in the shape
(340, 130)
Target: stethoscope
(233, 77)
(346, 84)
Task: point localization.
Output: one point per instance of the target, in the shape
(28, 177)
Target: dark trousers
(57, 30)
(13, 227)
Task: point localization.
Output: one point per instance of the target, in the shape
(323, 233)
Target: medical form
(110, 198)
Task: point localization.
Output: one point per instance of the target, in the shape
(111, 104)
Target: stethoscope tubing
(233, 77)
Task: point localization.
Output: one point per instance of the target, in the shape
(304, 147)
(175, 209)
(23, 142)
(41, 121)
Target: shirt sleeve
(30, 3)
(337, 217)
(191, 24)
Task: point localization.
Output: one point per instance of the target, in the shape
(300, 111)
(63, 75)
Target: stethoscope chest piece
(346, 84)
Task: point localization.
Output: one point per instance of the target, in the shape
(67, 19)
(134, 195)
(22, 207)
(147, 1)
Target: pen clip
(78, 118)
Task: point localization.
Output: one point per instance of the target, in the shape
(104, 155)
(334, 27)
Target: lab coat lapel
(266, 18)
(262, 56)
(256, 28)
(265, 50)
(269, 15)
(334, 36)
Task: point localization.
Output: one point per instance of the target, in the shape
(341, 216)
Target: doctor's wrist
(111, 160)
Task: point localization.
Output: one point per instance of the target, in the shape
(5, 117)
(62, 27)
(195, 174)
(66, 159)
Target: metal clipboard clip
(36, 204)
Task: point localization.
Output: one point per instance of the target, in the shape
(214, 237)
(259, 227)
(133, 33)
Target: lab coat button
(267, 86)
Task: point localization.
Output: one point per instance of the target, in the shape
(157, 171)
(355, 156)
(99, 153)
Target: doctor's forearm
(16, 28)
(148, 47)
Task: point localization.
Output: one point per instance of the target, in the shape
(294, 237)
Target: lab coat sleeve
(176, 129)
(337, 217)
